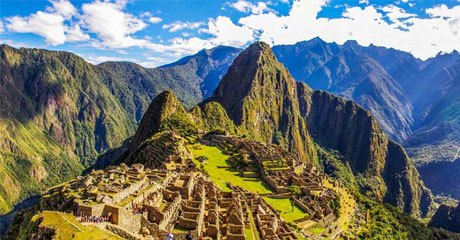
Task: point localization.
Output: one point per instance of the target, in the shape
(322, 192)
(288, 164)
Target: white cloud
(50, 24)
(100, 59)
(1, 27)
(423, 37)
(74, 34)
(63, 8)
(149, 62)
(248, 7)
(155, 20)
(395, 13)
(178, 25)
(112, 25)
(225, 32)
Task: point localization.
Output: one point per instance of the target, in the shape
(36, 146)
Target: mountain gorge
(404, 93)
(59, 112)
(261, 101)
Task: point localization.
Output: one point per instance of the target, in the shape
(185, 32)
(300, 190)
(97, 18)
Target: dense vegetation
(383, 221)
(57, 106)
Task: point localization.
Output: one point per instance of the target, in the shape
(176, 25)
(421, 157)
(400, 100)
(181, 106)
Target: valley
(239, 166)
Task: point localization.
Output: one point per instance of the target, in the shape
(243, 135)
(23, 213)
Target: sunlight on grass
(347, 205)
(69, 228)
(285, 208)
(220, 172)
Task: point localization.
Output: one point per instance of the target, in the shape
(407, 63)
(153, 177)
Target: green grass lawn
(285, 208)
(67, 227)
(220, 172)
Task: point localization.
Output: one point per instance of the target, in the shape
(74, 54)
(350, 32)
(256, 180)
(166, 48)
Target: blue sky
(155, 32)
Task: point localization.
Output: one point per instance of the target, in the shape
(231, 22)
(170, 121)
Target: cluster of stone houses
(142, 203)
(279, 169)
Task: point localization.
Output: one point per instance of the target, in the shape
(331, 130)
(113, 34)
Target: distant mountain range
(59, 112)
(258, 99)
(413, 100)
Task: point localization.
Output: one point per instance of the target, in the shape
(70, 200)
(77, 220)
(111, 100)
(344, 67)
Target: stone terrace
(141, 203)
(282, 171)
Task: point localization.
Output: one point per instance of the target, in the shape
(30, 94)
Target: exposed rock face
(260, 96)
(265, 102)
(57, 107)
(390, 175)
(163, 123)
(446, 217)
(366, 75)
(404, 94)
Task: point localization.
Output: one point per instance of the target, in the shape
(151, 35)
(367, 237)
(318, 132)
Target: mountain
(414, 101)
(438, 134)
(191, 78)
(447, 217)
(260, 96)
(405, 94)
(258, 99)
(266, 104)
(240, 136)
(59, 112)
(365, 75)
(55, 116)
(209, 65)
(441, 177)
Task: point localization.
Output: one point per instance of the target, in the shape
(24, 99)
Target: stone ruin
(145, 204)
(279, 169)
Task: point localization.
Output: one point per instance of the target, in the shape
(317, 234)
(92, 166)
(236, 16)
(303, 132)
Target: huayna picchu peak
(266, 103)
(265, 157)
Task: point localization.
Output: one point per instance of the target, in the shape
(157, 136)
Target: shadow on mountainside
(6, 219)
(442, 177)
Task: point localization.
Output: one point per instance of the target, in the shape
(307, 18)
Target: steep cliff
(260, 96)
(446, 217)
(387, 173)
(267, 104)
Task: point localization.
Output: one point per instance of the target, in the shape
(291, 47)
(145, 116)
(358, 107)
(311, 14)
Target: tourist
(189, 235)
(169, 236)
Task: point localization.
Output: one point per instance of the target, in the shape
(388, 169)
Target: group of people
(189, 236)
(93, 219)
(138, 209)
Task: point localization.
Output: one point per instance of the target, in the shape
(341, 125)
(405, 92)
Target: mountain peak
(258, 46)
(260, 96)
(248, 72)
(163, 106)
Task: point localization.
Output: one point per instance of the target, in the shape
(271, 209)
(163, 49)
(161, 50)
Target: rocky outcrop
(260, 96)
(390, 175)
(266, 103)
(446, 217)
